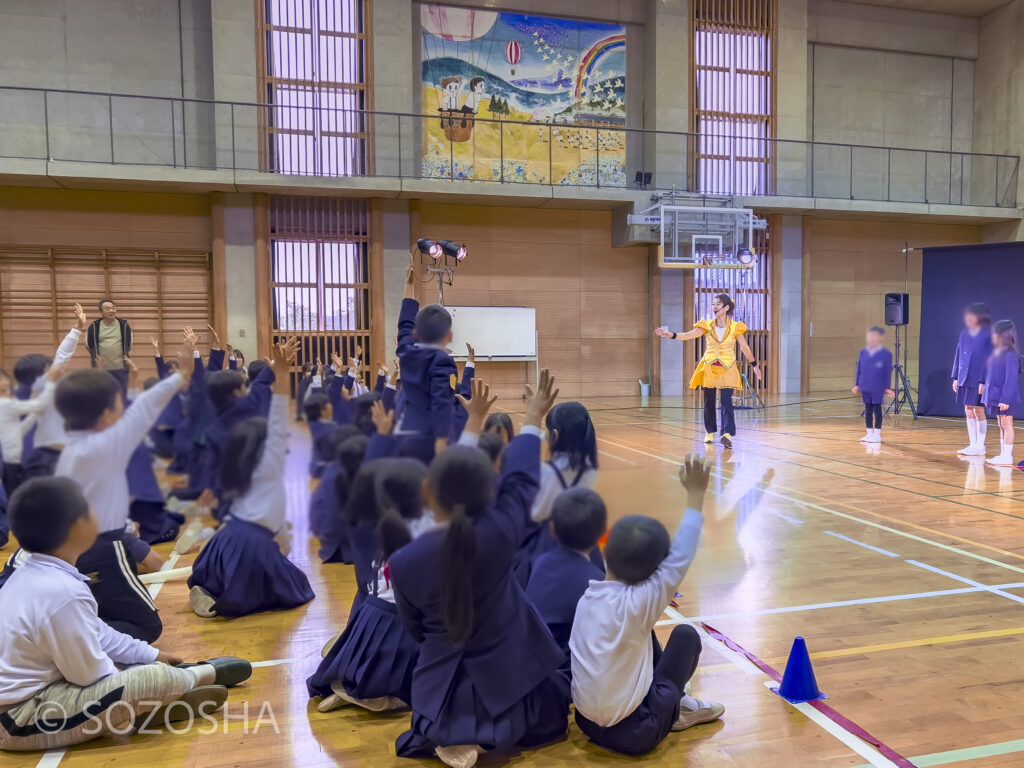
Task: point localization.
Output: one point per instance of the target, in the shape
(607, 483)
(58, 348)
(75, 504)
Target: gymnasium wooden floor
(902, 565)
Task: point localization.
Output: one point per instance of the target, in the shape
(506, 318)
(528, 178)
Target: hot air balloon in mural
(513, 53)
(456, 24)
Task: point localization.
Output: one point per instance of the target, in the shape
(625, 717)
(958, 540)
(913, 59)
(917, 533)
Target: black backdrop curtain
(953, 277)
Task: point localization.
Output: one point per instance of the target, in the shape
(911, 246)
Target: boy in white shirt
(65, 676)
(101, 437)
(627, 697)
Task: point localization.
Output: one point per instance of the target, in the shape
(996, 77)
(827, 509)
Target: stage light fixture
(745, 257)
(454, 250)
(429, 248)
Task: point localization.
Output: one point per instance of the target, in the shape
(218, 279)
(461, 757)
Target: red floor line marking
(843, 722)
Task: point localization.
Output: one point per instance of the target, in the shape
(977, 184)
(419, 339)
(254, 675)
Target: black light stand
(904, 391)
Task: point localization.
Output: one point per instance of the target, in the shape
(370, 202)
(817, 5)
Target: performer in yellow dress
(718, 370)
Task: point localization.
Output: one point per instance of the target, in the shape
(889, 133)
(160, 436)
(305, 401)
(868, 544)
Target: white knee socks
(980, 428)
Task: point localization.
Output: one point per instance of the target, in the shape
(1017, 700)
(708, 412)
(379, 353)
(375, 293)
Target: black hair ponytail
(458, 557)
(462, 481)
(726, 300)
(241, 454)
(398, 486)
(573, 435)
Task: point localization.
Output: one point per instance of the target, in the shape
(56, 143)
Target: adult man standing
(110, 342)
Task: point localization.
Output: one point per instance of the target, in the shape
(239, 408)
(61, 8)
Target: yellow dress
(718, 368)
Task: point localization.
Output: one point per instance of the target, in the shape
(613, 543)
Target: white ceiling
(956, 7)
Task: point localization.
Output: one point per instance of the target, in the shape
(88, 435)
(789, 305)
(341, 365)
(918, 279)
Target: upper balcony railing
(319, 134)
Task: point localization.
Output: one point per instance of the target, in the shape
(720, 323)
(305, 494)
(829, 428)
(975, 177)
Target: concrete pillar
(396, 235)
(396, 82)
(666, 64)
(790, 330)
(240, 280)
(793, 160)
(233, 25)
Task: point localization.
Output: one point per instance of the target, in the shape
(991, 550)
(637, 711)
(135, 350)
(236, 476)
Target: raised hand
(339, 364)
(539, 403)
(191, 337)
(471, 352)
(285, 353)
(81, 321)
(694, 474)
(156, 346)
(477, 406)
(383, 419)
(184, 358)
(216, 338)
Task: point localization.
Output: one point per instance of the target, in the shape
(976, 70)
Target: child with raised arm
(13, 424)
(487, 677)
(49, 438)
(429, 376)
(873, 381)
(242, 569)
(102, 435)
(625, 701)
(63, 672)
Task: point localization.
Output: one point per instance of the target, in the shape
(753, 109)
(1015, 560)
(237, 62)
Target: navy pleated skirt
(968, 394)
(243, 569)
(156, 523)
(374, 656)
(540, 717)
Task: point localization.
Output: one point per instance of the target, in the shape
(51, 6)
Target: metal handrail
(1006, 166)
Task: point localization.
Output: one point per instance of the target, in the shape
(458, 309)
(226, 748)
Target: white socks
(980, 429)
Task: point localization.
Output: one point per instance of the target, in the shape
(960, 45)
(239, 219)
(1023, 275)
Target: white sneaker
(876, 438)
(1004, 459)
(967, 450)
(202, 602)
(461, 756)
(973, 450)
(866, 438)
(706, 712)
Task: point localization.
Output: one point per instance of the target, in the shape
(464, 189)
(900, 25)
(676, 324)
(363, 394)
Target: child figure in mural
(473, 99)
(451, 87)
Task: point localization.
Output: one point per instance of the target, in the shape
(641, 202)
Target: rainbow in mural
(518, 98)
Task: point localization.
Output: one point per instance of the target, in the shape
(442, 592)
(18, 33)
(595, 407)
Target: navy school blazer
(429, 378)
(510, 650)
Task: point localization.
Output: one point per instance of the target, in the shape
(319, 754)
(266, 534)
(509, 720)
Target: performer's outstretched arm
(694, 333)
(745, 348)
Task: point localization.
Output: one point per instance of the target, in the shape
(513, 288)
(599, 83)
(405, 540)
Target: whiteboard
(507, 333)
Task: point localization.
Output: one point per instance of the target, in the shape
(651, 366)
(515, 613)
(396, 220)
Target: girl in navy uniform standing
(872, 382)
(488, 675)
(973, 349)
(1000, 393)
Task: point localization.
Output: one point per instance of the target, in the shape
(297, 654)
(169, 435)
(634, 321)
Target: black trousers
(12, 478)
(873, 411)
(728, 417)
(649, 724)
(123, 601)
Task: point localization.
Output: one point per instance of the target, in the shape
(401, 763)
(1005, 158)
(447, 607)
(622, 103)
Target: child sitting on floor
(242, 569)
(625, 701)
(561, 576)
(62, 670)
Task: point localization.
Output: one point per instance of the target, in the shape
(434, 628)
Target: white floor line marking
(856, 601)
(843, 515)
(617, 458)
(51, 759)
(273, 663)
(965, 580)
(861, 748)
(787, 518)
(154, 589)
(879, 550)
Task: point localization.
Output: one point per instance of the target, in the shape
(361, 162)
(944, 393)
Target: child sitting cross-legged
(625, 700)
(65, 676)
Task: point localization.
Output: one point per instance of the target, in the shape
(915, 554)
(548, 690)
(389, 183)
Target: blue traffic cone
(798, 683)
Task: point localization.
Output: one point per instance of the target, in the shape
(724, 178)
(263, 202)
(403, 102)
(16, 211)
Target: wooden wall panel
(90, 219)
(849, 267)
(591, 299)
